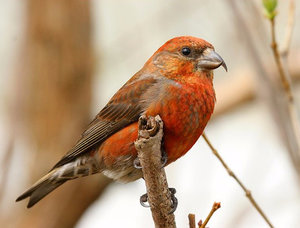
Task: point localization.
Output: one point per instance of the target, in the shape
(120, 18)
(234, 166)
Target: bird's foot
(174, 200)
(144, 200)
(137, 164)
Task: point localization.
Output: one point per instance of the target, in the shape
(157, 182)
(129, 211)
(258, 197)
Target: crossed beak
(210, 60)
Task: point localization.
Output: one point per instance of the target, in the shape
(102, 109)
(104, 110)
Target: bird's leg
(144, 199)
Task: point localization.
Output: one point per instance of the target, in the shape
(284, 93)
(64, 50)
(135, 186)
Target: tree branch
(192, 221)
(269, 88)
(284, 80)
(232, 174)
(148, 147)
(284, 76)
(215, 207)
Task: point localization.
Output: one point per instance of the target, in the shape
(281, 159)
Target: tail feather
(56, 177)
(37, 194)
(41, 188)
(44, 190)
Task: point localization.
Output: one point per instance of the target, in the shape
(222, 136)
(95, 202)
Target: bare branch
(284, 81)
(291, 108)
(192, 221)
(269, 88)
(215, 207)
(232, 174)
(148, 146)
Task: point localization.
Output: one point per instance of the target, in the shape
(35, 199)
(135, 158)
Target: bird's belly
(183, 125)
(117, 154)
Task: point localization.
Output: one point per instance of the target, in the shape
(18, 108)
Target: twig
(192, 221)
(289, 29)
(231, 173)
(268, 87)
(292, 111)
(148, 147)
(215, 207)
(284, 81)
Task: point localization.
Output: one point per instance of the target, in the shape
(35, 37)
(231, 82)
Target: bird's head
(185, 55)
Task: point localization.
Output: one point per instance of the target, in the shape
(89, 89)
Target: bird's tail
(56, 177)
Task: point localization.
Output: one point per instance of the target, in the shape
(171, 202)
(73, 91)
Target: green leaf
(270, 8)
(270, 5)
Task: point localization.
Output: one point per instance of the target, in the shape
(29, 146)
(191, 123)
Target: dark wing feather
(124, 108)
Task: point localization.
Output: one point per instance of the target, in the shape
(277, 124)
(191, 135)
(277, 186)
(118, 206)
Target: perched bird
(175, 83)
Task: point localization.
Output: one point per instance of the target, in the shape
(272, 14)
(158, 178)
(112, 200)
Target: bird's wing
(124, 108)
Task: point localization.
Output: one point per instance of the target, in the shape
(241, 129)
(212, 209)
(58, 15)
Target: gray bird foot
(174, 200)
(144, 200)
(137, 164)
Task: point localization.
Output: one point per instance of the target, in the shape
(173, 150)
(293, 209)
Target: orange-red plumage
(175, 83)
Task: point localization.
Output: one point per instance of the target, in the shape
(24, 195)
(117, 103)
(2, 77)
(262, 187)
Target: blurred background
(61, 61)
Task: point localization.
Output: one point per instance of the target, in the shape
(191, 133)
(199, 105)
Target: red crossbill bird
(176, 83)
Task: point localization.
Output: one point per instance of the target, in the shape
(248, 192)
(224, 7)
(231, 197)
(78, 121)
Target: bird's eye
(186, 51)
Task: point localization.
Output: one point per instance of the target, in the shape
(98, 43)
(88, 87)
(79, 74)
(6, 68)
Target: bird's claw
(144, 200)
(174, 200)
(137, 164)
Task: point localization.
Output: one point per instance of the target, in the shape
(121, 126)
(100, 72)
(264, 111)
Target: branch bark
(148, 146)
(192, 221)
(283, 77)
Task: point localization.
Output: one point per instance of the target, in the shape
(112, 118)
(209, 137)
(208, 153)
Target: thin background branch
(215, 207)
(232, 174)
(268, 87)
(292, 110)
(283, 77)
(192, 219)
